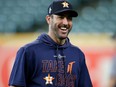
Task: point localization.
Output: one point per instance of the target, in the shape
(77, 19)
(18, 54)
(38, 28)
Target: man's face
(60, 25)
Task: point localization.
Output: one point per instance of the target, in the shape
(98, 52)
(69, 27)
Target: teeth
(63, 28)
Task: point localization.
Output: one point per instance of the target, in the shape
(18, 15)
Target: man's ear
(48, 19)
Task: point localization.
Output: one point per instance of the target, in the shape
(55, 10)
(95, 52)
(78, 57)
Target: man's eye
(61, 17)
(69, 18)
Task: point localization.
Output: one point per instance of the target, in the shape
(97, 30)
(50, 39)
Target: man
(51, 60)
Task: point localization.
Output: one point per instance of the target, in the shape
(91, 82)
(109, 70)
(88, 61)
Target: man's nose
(65, 21)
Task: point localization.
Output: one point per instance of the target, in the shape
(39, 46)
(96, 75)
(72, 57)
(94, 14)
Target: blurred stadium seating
(29, 15)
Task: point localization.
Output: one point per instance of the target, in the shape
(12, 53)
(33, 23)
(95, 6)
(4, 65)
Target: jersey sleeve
(17, 77)
(84, 79)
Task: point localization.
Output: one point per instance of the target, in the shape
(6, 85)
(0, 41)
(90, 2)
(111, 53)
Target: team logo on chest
(49, 79)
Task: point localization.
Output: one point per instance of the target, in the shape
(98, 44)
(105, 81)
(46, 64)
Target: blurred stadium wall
(21, 21)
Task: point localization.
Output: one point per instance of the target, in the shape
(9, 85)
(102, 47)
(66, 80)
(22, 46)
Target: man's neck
(57, 40)
(60, 41)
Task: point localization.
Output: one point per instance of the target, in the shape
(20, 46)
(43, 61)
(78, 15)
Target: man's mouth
(63, 29)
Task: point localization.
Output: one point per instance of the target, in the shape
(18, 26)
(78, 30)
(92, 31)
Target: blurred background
(22, 21)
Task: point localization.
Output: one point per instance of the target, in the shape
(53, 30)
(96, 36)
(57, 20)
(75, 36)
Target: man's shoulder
(32, 45)
(75, 47)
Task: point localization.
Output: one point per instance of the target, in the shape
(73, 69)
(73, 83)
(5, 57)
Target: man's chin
(63, 37)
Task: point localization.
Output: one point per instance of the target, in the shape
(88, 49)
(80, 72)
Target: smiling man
(51, 60)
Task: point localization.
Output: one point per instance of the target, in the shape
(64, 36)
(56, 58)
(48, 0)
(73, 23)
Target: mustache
(65, 26)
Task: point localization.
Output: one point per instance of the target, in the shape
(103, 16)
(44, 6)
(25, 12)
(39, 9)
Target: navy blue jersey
(44, 63)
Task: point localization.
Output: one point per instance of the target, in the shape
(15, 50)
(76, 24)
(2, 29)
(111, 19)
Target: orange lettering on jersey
(69, 69)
